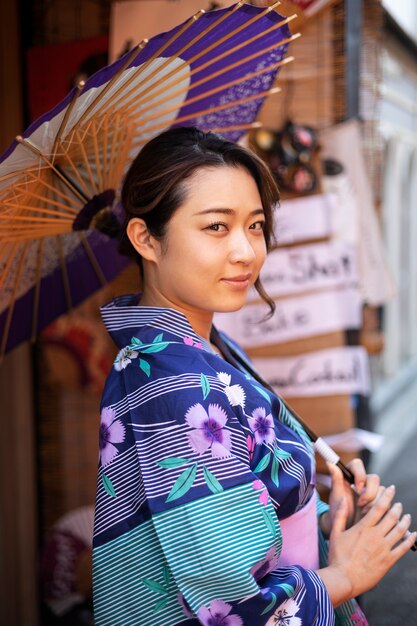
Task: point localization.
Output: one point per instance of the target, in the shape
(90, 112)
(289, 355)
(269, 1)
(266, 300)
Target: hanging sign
(294, 318)
(304, 219)
(288, 271)
(343, 370)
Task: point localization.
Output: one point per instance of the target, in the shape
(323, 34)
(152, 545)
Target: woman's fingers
(398, 531)
(391, 518)
(365, 509)
(370, 491)
(403, 547)
(357, 468)
(379, 508)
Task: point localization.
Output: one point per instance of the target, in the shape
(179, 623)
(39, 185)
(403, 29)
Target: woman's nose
(241, 250)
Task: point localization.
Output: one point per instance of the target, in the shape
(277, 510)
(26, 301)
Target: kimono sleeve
(217, 528)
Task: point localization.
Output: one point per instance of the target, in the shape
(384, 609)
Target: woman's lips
(238, 282)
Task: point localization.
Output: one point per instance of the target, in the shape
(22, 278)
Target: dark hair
(154, 188)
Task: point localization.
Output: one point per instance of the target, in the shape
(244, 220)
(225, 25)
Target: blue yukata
(198, 465)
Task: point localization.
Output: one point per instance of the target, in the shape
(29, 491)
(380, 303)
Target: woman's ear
(141, 239)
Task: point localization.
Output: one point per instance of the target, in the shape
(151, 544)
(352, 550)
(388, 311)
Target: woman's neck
(200, 321)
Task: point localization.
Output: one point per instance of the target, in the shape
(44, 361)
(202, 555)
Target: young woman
(206, 507)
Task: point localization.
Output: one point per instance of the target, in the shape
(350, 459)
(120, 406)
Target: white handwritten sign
(294, 318)
(333, 371)
(304, 219)
(303, 268)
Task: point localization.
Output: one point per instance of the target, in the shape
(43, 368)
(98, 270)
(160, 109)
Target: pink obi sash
(300, 544)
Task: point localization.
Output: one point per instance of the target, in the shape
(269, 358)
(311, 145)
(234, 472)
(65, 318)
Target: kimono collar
(123, 319)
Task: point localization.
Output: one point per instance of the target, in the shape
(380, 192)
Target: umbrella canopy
(59, 181)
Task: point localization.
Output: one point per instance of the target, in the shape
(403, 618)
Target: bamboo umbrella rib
(35, 150)
(31, 234)
(6, 245)
(237, 81)
(171, 59)
(115, 142)
(8, 264)
(64, 121)
(65, 279)
(151, 95)
(111, 147)
(74, 169)
(92, 259)
(38, 272)
(36, 178)
(238, 127)
(117, 171)
(105, 140)
(220, 107)
(141, 69)
(46, 199)
(97, 162)
(35, 220)
(88, 168)
(13, 300)
(133, 102)
(111, 82)
(33, 209)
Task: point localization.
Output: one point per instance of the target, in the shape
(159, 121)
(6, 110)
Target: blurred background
(341, 139)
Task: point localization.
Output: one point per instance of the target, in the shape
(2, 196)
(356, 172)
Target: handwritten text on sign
(304, 219)
(325, 372)
(304, 268)
(294, 318)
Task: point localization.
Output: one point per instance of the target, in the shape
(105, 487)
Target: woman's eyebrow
(228, 211)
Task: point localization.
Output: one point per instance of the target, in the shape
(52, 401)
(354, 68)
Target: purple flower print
(268, 563)
(218, 615)
(111, 431)
(262, 426)
(209, 432)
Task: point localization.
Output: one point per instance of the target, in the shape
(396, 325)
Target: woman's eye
(217, 227)
(257, 225)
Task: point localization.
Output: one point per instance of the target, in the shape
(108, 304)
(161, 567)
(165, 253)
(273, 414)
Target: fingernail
(390, 490)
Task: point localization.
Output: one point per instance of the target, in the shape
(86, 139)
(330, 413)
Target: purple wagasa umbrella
(59, 181)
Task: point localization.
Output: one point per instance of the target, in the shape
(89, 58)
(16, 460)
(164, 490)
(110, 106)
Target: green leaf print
(136, 342)
(212, 482)
(263, 463)
(274, 472)
(271, 604)
(161, 604)
(172, 461)
(205, 385)
(281, 454)
(145, 367)
(289, 589)
(183, 483)
(269, 522)
(158, 347)
(158, 338)
(166, 574)
(108, 486)
(153, 585)
(262, 392)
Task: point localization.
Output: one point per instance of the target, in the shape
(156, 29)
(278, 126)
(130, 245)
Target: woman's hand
(358, 496)
(361, 555)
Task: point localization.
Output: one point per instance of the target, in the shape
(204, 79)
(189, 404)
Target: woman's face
(214, 245)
